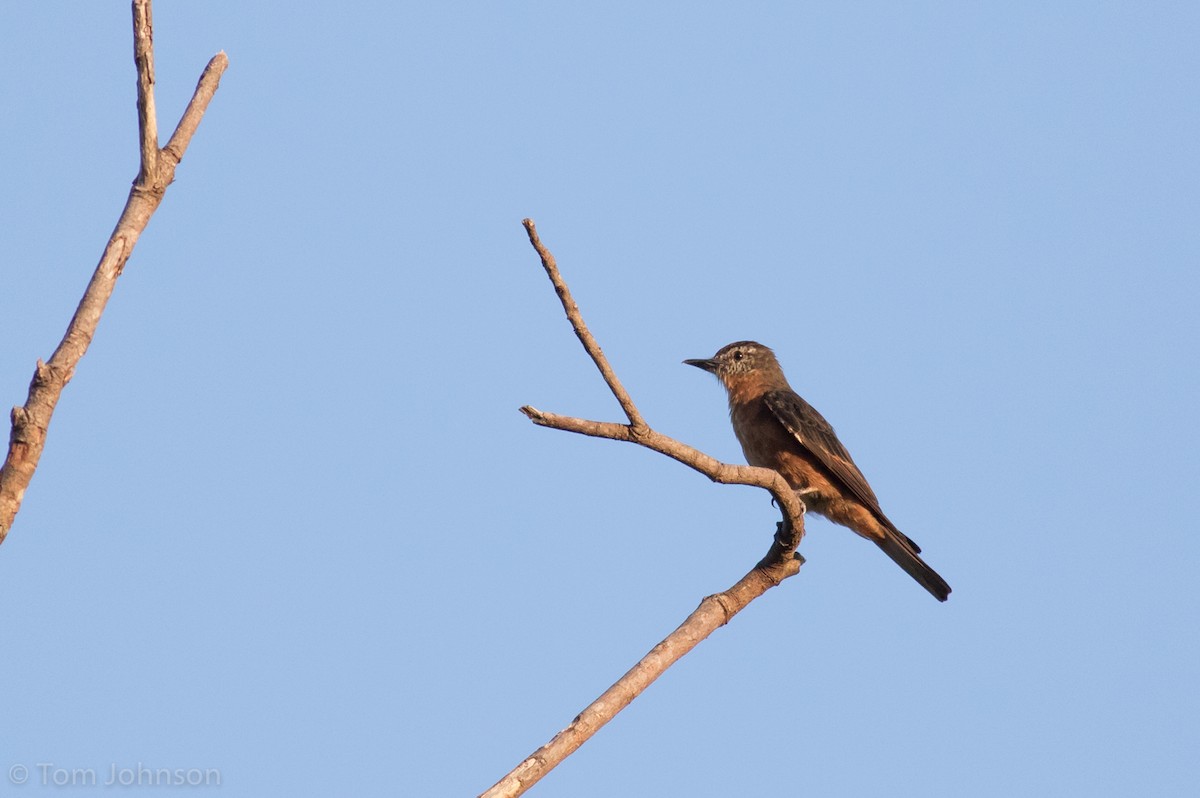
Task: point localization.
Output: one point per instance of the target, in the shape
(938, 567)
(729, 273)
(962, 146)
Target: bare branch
(726, 474)
(143, 57)
(714, 611)
(206, 87)
(581, 330)
(780, 562)
(30, 421)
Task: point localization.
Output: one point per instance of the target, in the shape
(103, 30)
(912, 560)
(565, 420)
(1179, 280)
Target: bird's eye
(738, 355)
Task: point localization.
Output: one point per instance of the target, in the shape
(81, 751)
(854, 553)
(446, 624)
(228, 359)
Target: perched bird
(779, 430)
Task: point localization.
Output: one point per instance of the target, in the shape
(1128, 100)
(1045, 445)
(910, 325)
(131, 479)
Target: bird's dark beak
(708, 365)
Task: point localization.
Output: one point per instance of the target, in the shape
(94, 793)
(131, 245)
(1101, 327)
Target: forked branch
(156, 171)
(780, 562)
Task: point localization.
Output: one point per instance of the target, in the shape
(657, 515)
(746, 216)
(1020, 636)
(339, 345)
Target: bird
(779, 430)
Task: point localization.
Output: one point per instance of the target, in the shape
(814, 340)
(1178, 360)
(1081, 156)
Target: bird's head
(744, 364)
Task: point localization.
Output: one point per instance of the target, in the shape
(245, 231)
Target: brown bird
(779, 430)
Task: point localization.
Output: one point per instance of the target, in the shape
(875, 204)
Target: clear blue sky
(290, 525)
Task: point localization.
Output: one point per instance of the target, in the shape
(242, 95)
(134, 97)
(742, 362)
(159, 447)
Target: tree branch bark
(780, 562)
(581, 330)
(156, 171)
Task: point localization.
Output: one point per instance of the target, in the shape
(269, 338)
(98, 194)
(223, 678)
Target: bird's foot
(805, 495)
(801, 494)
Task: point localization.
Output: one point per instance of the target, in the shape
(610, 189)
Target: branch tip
(581, 330)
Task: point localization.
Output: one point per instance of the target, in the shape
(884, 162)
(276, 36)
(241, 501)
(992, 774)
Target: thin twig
(143, 57)
(581, 330)
(157, 169)
(714, 469)
(780, 562)
(206, 87)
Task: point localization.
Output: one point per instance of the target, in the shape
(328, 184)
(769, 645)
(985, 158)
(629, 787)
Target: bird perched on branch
(779, 430)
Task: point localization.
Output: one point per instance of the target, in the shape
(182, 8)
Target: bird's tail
(905, 554)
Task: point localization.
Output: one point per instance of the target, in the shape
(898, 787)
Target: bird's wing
(817, 436)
